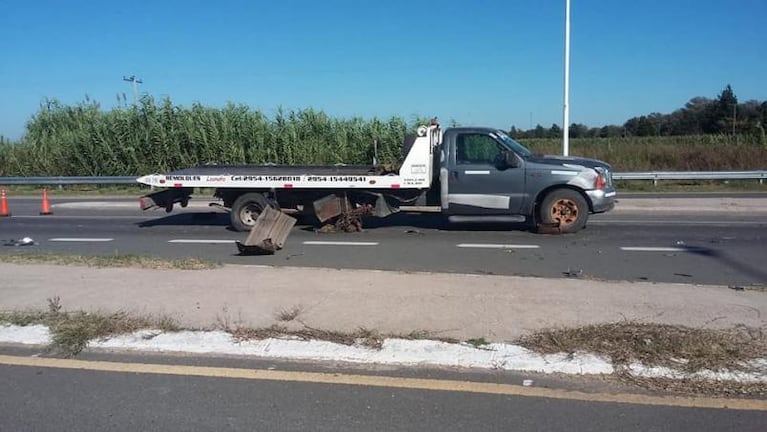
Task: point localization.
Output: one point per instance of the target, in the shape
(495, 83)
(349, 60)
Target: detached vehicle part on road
(468, 174)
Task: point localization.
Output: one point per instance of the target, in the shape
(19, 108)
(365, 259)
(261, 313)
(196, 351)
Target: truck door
(477, 183)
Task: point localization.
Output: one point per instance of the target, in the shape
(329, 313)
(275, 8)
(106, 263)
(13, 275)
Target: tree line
(723, 115)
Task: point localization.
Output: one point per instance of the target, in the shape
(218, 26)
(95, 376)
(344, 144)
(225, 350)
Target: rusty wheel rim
(249, 214)
(564, 211)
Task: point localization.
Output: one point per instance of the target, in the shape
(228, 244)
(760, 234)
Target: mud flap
(269, 233)
(166, 198)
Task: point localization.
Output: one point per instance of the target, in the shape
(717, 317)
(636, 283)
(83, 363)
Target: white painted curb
(399, 352)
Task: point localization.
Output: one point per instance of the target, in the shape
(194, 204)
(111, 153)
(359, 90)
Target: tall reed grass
(151, 136)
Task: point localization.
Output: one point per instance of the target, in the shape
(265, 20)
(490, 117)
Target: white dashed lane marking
(339, 243)
(79, 239)
(201, 241)
(496, 246)
(653, 249)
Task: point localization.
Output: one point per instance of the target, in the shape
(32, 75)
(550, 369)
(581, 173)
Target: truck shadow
(421, 221)
(310, 223)
(742, 268)
(192, 219)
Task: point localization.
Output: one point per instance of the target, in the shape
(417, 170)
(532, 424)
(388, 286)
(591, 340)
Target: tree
(555, 131)
(725, 111)
(610, 131)
(578, 130)
(516, 133)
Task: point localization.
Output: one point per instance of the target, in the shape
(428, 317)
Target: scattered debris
(573, 273)
(527, 382)
(268, 234)
(413, 231)
(680, 243)
(736, 288)
(26, 241)
(683, 275)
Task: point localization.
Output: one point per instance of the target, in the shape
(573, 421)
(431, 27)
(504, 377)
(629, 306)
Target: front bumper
(602, 200)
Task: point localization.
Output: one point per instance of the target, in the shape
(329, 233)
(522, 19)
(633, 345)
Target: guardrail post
(655, 181)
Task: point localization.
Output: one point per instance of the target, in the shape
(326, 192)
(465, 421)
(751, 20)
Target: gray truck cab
(485, 174)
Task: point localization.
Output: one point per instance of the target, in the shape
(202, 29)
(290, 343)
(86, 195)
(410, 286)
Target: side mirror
(507, 160)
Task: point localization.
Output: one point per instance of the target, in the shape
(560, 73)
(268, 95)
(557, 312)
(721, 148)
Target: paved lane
(50, 398)
(723, 249)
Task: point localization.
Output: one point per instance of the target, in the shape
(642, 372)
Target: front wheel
(566, 209)
(246, 209)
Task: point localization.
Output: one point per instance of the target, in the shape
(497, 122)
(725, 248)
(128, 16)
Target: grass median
(111, 260)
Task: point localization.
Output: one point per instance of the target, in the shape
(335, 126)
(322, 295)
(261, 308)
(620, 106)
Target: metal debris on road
(269, 233)
(26, 241)
(573, 273)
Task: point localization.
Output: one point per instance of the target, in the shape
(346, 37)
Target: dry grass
(116, 260)
(695, 386)
(289, 314)
(71, 331)
(682, 348)
(362, 336)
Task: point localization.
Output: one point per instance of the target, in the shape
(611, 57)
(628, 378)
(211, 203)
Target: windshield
(513, 145)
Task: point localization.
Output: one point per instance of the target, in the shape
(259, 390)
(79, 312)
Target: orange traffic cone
(4, 204)
(46, 207)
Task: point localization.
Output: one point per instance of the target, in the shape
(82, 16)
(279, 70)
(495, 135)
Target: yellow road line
(386, 381)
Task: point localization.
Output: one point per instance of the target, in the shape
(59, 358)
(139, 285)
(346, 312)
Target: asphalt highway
(706, 248)
(184, 393)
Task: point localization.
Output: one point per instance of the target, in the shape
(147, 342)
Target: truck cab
(487, 175)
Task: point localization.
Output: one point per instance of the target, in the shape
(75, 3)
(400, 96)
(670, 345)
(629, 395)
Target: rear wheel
(565, 208)
(246, 209)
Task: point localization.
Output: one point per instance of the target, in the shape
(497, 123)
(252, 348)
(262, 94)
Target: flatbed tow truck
(468, 174)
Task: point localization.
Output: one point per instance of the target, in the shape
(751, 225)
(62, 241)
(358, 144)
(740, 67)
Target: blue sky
(484, 62)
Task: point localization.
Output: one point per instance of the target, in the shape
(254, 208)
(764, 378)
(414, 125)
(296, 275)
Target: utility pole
(566, 121)
(135, 81)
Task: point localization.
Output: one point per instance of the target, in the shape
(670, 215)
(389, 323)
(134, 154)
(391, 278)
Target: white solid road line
(496, 246)
(76, 239)
(653, 249)
(339, 243)
(201, 241)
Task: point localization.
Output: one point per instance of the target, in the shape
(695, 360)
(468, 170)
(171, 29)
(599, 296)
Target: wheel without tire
(246, 209)
(565, 208)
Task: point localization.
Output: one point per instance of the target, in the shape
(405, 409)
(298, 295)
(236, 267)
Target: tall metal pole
(566, 121)
(135, 81)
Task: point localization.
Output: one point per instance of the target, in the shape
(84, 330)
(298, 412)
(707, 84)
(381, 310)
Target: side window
(476, 149)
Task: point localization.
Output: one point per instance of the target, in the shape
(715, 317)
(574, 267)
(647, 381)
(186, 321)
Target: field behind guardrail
(84, 140)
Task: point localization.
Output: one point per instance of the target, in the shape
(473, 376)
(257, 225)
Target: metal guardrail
(692, 175)
(655, 176)
(60, 181)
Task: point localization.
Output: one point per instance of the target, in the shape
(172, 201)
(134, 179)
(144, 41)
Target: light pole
(135, 81)
(566, 120)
